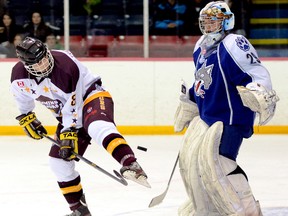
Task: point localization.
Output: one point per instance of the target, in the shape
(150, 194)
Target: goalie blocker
(186, 110)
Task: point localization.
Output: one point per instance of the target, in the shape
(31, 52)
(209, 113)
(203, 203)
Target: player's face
(7, 20)
(210, 25)
(36, 18)
(42, 68)
(42, 65)
(17, 40)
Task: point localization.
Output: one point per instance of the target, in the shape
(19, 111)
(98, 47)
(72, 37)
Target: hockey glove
(31, 125)
(258, 99)
(68, 144)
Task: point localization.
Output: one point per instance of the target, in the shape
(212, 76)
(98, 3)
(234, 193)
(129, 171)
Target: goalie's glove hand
(68, 144)
(31, 125)
(258, 99)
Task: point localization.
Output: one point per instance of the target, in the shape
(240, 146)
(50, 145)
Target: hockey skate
(135, 173)
(82, 210)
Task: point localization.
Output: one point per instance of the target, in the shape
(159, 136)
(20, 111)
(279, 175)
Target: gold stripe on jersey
(71, 189)
(97, 95)
(114, 143)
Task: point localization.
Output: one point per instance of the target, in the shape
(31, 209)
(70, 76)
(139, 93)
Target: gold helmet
(216, 17)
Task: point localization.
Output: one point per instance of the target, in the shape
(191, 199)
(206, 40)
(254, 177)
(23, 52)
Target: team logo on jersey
(54, 105)
(242, 43)
(89, 109)
(20, 84)
(89, 112)
(203, 77)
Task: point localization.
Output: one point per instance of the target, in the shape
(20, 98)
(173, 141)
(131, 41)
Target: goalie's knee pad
(200, 203)
(225, 182)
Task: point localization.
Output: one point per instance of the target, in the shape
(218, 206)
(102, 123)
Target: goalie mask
(216, 17)
(35, 56)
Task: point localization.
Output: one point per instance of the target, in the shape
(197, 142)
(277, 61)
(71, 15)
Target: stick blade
(120, 178)
(158, 199)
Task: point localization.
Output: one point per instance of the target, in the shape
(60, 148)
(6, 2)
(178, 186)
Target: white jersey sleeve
(246, 57)
(24, 102)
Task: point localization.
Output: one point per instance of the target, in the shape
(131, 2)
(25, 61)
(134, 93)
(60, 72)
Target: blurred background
(136, 28)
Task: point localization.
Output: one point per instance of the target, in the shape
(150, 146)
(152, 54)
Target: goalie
(231, 86)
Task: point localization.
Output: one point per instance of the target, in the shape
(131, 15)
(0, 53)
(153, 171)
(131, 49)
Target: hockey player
(83, 108)
(231, 85)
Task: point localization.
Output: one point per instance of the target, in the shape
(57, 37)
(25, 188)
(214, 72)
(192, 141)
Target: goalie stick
(118, 176)
(158, 199)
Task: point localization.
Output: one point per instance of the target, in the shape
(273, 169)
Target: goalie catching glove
(68, 144)
(186, 110)
(258, 99)
(31, 125)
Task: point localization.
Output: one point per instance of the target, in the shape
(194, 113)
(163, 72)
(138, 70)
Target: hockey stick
(118, 176)
(158, 199)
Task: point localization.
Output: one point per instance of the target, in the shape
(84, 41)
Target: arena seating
(164, 46)
(127, 46)
(268, 24)
(187, 46)
(98, 46)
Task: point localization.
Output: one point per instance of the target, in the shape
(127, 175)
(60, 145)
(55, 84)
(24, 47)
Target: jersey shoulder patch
(235, 43)
(240, 49)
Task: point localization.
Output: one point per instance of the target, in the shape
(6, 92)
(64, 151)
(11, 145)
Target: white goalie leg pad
(200, 203)
(189, 149)
(227, 188)
(186, 209)
(241, 187)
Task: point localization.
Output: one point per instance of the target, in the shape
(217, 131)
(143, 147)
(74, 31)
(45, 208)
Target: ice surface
(28, 186)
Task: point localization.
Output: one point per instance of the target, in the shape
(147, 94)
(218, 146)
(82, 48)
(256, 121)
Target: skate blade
(142, 180)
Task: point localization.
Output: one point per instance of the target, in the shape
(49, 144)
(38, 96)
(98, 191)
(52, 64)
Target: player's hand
(68, 144)
(31, 125)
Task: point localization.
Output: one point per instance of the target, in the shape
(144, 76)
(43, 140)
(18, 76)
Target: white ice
(28, 186)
